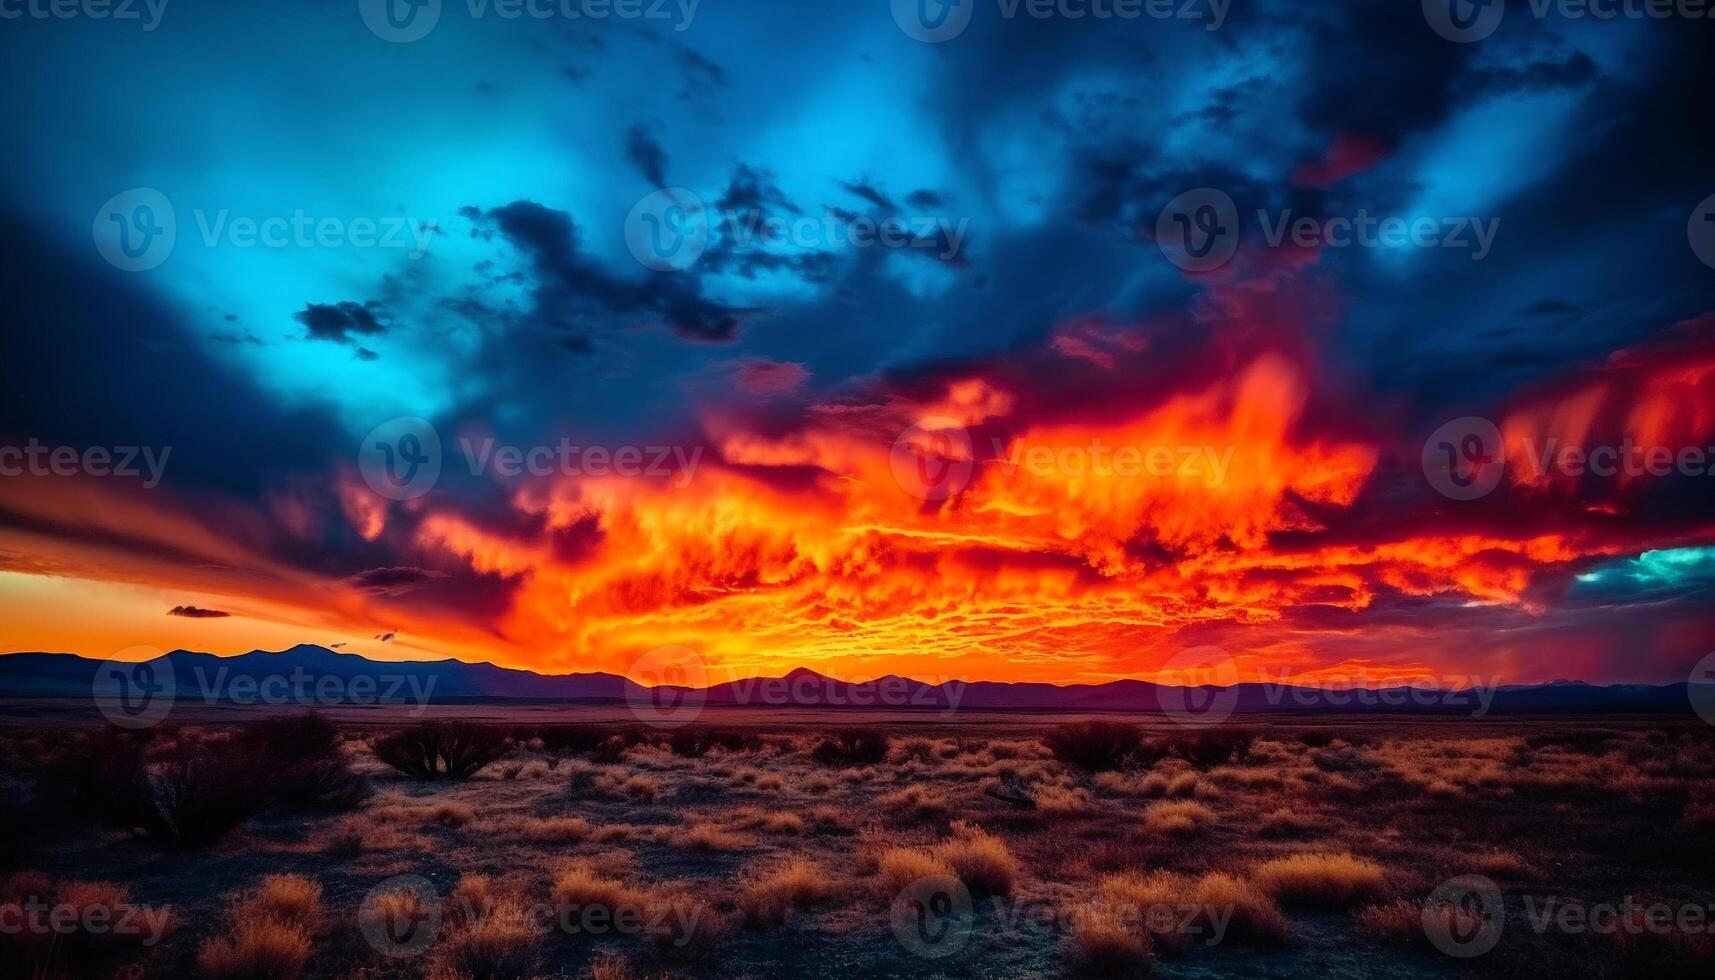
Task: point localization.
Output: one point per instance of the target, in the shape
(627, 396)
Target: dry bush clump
(704, 837)
(78, 951)
(1176, 909)
(554, 830)
(449, 813)
(1105, 942)
(505, 944)
(1177, 817)
(770, 897)
(852, 747)
(980, 859)
(913, 804)
(1321, 878)
(1286, 823)
(270, 932)
(1095, 746)
(897, 867)
(441, 749)
(643, 789)
(1062, 801)
(582, 886)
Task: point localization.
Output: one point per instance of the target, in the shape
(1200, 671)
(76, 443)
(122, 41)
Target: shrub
(696, 741)
(502, 945)
(256, 949)
(197, 794)
(980, 859)
(302, 754)
(770, 899)
(1105, 943)
(441, 749)
(1323, 878)
(292, 899)
(1252, 916)
(913, 803)
(702, 837)
(581, 887)
(643, 789)
(1211, 747)
(450, 813)
(682, 927)
(900, 866)
(1285, 823)
(1178, 817)
(852, 747)
(555, 830)
(1095, 746)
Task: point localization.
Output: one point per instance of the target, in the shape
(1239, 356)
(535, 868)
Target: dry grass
(502, 945)
(898, 867)
(912, 804)
(981, 860)
(582, 887)
(1286, 823)
(256, 948)
(643, 789)
(292, 899)
(554, 830)
(770, 898)
(1177, 817)
(1323, 878)
(1106, 942)
(702, 837)
(450, 813)
(1062, 801)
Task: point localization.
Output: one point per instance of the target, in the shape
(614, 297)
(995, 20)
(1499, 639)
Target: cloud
(761, 376)
(394, 580)
(338, 321)
(196, 612)
(646, 154)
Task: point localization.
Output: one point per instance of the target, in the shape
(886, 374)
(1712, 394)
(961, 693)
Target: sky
(815, 335)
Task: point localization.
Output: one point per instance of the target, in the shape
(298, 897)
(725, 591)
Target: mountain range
(316, 675)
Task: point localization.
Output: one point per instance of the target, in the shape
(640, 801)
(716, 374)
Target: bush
(695, 742)
(502, 945)
(980, 860)
(257, 949)
(1328, 879)
(302, 754)
(771, 898)
(197, 794)
(1211, 748)
(1095, 746)
(852, 747)
(441, 749)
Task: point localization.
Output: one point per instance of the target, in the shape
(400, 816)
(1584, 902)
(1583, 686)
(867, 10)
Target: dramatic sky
(1024, 319)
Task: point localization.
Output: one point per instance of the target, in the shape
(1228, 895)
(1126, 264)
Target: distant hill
(304, 673)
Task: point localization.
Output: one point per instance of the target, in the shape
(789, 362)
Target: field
(795, 843)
